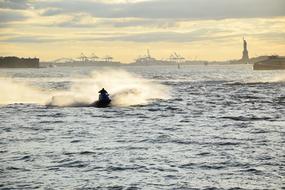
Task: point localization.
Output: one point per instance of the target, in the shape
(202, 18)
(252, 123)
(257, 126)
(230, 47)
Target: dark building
(270, 63)
(16, 62)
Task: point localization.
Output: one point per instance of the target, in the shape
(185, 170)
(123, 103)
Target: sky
(125, 29)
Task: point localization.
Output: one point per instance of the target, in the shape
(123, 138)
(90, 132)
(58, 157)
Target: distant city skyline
(125, 29)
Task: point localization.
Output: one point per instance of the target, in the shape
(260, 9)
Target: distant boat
(271, 63)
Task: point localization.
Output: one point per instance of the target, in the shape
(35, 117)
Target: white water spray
(125, 89)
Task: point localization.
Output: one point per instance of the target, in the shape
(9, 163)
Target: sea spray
(273, 78)
(124, 88)
(279, 78)
(13, 91)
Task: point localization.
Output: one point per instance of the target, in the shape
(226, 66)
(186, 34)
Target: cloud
(196, 35)
(275, 37)
(181, 37)
(14, 4)
(166, 9)
(83, 22)
(32, 39)
(153, 23)
(7, 16)
(202, 34)
(178, 32)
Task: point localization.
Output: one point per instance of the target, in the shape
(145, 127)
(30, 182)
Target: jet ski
(103, 101)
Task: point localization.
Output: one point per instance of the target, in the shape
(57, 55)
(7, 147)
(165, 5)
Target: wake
(125, 89)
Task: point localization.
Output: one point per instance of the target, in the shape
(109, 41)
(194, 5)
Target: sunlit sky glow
(196, 29)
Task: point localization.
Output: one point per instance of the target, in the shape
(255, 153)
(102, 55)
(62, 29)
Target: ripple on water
(249, 118)
(71, 164)
(209, 135)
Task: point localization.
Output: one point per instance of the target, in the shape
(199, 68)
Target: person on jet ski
(104, 96)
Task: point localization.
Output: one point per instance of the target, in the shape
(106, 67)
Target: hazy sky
(196, 29)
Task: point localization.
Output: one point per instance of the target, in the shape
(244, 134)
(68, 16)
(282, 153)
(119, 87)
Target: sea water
(197, 127)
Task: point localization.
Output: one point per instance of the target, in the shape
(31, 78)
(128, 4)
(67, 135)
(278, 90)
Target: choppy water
(221, 128)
